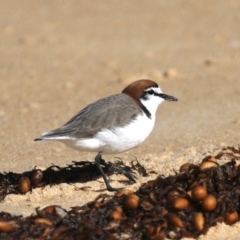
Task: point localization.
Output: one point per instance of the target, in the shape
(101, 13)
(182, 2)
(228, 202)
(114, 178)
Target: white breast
(118, 139)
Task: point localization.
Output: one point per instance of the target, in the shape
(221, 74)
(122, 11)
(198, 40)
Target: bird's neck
(150, 107)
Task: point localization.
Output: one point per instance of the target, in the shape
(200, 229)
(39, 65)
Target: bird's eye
(151, 92)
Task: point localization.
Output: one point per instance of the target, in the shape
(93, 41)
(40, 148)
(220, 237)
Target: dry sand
(58, 56)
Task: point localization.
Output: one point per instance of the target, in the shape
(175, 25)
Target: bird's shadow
(77, 172)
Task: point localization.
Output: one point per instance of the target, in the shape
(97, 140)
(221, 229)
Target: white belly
(117, 139)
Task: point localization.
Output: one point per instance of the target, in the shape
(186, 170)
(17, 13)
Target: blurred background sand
(58, 56)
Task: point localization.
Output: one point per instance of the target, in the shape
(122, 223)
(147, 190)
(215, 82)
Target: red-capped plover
(113, 124)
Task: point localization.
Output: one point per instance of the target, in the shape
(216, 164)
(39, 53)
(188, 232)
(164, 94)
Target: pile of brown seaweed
(186, 204)
(84, 171)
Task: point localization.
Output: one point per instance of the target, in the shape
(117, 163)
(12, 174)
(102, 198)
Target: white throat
(152, 102)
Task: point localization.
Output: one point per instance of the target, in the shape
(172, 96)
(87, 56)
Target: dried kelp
(21, 183)
(186, 204)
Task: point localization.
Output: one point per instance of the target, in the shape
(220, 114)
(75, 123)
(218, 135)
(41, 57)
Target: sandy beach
(59, 56)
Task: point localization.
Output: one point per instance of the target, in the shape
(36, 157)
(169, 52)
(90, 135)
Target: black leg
(130, 176)
(97, 162)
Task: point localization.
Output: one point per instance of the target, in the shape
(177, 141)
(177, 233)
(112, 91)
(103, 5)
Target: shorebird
(113, 124)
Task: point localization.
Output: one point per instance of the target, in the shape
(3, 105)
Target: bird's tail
(38, 139)
(55, 135)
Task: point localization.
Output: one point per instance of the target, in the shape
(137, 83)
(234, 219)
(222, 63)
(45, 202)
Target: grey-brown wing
(109, 112)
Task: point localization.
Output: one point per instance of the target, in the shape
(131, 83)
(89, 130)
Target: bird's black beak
(167, 97)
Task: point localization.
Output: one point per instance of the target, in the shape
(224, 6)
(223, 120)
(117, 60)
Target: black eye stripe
(150, 92)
